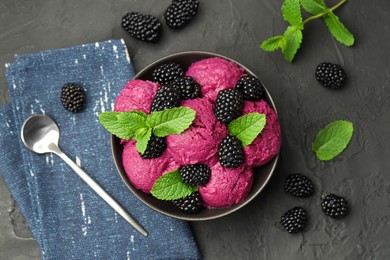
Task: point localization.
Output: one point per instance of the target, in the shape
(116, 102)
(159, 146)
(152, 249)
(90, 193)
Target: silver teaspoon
(41, 134)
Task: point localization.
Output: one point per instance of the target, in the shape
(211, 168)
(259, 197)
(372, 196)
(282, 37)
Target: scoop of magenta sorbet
(200, 141)
(143, 173)
(136, 95)
(227, 186)
(215, 74)
(267, 145)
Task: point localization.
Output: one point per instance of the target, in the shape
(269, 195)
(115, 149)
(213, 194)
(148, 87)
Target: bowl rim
(193, 217)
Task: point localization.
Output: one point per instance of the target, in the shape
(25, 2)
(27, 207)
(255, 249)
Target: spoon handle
(102, 193)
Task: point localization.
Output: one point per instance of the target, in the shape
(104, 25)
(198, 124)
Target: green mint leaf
(110, 121)
(291, 10)
(171, 121)
(314, 7)
(132, 121)
(143, 136)
(246, 128)
(332, 140)
(274, 43)
(294, 39)
(170, 187)
(338, 30)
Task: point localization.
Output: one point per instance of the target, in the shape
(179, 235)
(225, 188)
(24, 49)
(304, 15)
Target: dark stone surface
(236, 29)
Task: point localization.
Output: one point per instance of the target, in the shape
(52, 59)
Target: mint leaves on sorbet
(332, 140)
(140, 126)
(290, 41)
(170, 187)
(247, 127)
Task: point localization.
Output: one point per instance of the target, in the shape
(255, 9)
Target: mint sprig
(290, 41)
(247, 127)
(332, 140)
(170, 187)
(140, 126)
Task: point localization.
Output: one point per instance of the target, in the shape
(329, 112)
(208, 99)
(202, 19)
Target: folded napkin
(67, 218)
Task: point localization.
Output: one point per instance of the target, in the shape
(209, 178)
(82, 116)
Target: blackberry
(230, 152)
(180, 12)
(298, 185)
(195, 174)
(72, 97)
(191, 204)
(189, 88)
(330, 75)
(156, 146)
(229, 105)
(251, 88)
(167, 96)
(143, 27)
(294, 220)
(167, 72)
(334, 206)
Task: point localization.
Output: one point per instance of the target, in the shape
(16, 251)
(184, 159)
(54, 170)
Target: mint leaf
(143, 136)
(294, 39)
(170, 187)
(291, 10)
(332, 140)
(110, 121)
(132, 121)
(246, 128)
(338, 30)
(171, 121)
(314, 7)
(274, 43)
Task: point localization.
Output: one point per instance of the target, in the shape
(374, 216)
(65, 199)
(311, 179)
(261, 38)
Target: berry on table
(334, 206)
(167, 96)
(167, 72)
(294, 220)
(72, 97)
(251, 88)
(330, 75)
(229, 105)
(143, 27)
(230, 152)
(189, 88)
(191, 204)
(155, 148)
(298, 185)
(195, 174)
(180, 12)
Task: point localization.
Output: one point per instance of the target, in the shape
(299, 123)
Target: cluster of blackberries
(228, 106)
(148, 28)
(298, 185)
(193, 174)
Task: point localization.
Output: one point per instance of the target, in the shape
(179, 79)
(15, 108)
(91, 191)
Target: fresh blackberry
(156, 147)
(298, 185)
(167, 96)
(191, 204)
(294, 220)
(143, 27)
(72, 97)
(180, 12)
(334, 206)
(189, 88)
(230, 152)
(229, 105)
(251, 88)
(195, 174)
(167, 72)
(330, 75)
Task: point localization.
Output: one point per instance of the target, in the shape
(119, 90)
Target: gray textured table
(235, 29)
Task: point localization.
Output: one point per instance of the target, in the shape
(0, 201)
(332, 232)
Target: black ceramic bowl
(261, 175)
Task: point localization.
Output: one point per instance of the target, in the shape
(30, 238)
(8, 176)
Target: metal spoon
(41, 134)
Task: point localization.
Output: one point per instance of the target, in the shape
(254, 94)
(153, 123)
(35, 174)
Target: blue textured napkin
(68, 219)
